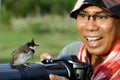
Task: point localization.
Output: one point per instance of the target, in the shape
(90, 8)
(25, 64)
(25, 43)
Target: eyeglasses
(98, 18)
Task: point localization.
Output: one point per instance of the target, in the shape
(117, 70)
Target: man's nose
(91, 24)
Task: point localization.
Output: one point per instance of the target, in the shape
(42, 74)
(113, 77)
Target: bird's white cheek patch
(31, 47)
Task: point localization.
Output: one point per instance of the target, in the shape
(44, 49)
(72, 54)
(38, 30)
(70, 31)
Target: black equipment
(67, 66)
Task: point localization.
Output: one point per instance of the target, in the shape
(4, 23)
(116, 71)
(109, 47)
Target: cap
(112, 6)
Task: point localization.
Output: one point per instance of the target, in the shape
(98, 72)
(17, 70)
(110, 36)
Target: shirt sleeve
(71, 49)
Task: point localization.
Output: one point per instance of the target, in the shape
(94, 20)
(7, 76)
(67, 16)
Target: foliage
(24, 7)
(5, 16)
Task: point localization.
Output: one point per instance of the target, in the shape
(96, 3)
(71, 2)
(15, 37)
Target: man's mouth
(94, 41)
(93, 38)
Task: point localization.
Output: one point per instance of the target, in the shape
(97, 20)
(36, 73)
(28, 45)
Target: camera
(68, 66)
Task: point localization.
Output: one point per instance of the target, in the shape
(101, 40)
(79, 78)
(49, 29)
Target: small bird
(21, 55)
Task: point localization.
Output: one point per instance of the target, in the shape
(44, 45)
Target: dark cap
(112, 6)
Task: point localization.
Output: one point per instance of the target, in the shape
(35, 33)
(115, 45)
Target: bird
(21, 55)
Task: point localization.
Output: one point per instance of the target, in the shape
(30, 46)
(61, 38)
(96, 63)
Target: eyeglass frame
(97, 16)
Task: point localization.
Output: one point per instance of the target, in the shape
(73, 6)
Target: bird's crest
(32, 43)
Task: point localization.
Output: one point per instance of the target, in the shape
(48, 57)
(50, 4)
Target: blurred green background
(47, 21)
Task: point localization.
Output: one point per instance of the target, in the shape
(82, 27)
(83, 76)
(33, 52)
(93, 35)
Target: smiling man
(98, 24)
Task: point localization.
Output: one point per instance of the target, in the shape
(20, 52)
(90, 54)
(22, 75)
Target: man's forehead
(94, 9)
(100, 11)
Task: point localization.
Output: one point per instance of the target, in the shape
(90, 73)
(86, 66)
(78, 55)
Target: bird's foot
(26, 65)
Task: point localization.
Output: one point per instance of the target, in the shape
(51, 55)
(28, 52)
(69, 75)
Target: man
(98, 24)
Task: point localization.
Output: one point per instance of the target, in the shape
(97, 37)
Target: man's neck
(96, 60)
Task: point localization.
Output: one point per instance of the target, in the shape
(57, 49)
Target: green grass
(50, 42)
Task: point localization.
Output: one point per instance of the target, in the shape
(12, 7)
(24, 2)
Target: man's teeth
(93, 38)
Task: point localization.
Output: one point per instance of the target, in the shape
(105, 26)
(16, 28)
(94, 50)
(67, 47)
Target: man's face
(98, 30)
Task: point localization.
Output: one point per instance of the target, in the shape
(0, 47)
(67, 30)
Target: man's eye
(82, 15)
(102, 16)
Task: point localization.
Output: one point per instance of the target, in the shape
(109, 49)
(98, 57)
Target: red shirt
(108, 69)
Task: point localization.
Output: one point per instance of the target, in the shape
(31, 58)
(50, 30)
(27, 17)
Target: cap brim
(81, 4)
